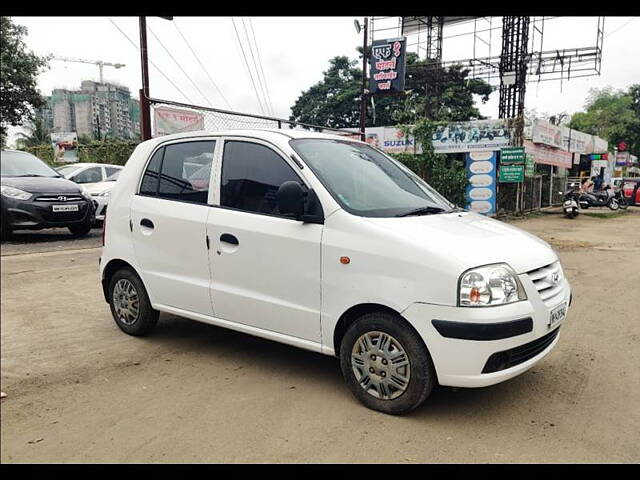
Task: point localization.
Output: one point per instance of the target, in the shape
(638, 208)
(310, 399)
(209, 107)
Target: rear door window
(180, 171)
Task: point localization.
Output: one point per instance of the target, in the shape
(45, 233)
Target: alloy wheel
(381, 365)
(126, 301)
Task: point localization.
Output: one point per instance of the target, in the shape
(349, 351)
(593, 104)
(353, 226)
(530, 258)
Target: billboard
(543, 132)
(65, 147)
(387, 65)
(480, 193)
(477, 135)
(389, 140)
(174, 120)
(548, 155)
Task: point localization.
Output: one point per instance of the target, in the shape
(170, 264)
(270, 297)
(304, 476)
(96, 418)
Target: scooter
(571, 205)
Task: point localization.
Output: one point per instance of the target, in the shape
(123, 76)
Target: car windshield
(366, 182)
(68, 170)
(23, 164)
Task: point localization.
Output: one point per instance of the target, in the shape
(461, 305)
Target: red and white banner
(173, 120)
(548, 155)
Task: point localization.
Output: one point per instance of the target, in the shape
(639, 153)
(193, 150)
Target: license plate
(557, 315)
(65, 208)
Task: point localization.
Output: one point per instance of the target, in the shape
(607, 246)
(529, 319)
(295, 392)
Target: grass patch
(612, 214)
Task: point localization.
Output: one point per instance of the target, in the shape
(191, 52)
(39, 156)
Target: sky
(294, 53)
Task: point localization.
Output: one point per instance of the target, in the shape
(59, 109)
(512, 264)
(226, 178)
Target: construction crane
(99, 63)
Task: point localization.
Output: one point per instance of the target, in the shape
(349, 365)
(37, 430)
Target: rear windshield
(23, 164)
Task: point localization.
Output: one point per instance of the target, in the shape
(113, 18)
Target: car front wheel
(386, 364)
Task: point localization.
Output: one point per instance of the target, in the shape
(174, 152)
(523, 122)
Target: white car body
(99, 171)
(100, 193)
(285, 281)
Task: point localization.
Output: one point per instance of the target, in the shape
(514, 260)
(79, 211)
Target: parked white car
(328, 244)
(88, 173)
(100, 193)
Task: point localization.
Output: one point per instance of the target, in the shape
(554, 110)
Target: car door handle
(228, 238)
(145, 222)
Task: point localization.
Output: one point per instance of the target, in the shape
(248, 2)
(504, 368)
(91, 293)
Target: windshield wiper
(421, 211)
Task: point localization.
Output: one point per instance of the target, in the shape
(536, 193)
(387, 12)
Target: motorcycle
(604, 198)
(571, 205)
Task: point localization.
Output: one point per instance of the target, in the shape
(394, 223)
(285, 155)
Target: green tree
(19, 70)
(612, 115)
(335, 100)
(38, 134)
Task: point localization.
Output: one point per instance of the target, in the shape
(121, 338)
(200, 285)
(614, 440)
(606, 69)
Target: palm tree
(39, 134)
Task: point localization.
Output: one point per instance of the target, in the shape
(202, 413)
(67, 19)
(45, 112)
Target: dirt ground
(79, 390)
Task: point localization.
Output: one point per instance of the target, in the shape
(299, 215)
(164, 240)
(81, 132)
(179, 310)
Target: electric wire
(180, 67)
(150, 61)
(255, 67)
(620, 27)
(247, 64)
(260, 63)
(201, 65)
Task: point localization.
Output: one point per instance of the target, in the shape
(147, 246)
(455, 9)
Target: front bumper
(100, 205)
(35, 214)
(460, 362)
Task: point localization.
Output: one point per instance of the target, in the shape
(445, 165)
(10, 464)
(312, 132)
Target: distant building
(103, 109)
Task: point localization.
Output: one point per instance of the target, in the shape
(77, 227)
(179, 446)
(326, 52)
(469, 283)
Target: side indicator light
(345, 260)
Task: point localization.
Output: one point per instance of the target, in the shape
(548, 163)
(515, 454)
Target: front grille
(57, 198)
(542, 279)
(515, 356)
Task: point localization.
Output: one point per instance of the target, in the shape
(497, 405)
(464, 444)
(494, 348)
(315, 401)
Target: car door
(168, 221)
(265, 267)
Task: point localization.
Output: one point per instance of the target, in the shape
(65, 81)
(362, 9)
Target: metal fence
(217, 119)
(534, 193)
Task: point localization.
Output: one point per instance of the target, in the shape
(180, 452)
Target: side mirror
(290, 198)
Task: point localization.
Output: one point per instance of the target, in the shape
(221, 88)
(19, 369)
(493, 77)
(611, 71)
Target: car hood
(472, 239)
(42, 184)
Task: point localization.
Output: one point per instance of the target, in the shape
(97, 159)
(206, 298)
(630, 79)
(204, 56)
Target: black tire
(613, 204)
(146, 318)
(622, 201)
(422, 376)
(80, 230)
(5, 231)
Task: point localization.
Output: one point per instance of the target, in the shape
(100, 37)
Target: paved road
(49, 240)
(81, 391)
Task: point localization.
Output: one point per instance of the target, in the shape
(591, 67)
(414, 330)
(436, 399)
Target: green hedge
(448, 177)
(116, 153)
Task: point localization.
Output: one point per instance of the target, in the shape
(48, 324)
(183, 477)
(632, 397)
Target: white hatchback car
(88, 173)
(328, 244)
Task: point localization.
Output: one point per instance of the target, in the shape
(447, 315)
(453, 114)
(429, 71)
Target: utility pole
(363, 98)
(145, 107)
(98, 127)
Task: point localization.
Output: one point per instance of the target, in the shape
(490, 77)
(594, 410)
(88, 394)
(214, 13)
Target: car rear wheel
(5, 231)
(386, 364)
(130, 305)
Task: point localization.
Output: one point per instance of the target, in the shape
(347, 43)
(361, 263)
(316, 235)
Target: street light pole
(363, 98)
(145, 107)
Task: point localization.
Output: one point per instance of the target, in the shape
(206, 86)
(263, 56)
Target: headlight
(105, 194)
(490, 285)
(85, 193)
(15, 193)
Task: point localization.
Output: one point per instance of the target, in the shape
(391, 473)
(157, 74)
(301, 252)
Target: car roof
(266, 134)
(89, 164)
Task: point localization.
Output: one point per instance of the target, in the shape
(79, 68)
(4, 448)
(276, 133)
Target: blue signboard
(481, 188)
